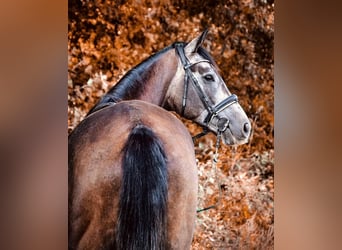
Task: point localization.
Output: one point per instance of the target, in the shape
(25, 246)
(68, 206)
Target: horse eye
(209, 78)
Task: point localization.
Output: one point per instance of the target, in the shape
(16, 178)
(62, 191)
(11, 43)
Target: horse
(131, 168)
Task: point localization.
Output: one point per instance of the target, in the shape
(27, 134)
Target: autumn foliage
(107, 38)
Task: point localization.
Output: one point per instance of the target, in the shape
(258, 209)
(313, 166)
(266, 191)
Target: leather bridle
(213, 111)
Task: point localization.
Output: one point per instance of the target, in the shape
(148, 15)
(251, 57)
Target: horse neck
(151, 85)
(161, 74)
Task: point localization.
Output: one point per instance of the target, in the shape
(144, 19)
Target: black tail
(143, 200)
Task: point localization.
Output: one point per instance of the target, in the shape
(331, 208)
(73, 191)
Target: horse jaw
(235, 134)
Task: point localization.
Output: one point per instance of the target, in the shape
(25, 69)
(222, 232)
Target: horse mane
(131, 84)
(126, 87)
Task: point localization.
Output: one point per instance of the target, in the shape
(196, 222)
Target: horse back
(95, 173)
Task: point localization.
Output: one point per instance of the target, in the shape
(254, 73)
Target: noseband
(213, 111)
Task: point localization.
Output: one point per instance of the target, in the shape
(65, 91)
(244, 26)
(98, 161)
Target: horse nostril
(246, 128)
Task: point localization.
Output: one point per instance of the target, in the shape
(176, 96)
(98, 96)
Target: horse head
(198, 92)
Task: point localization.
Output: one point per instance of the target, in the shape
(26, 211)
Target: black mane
(131, 84)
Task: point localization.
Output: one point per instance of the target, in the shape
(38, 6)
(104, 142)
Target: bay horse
(132, 169)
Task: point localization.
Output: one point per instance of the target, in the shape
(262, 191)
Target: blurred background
(35, 120)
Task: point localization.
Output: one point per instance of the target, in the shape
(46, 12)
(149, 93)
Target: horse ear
(192, 46)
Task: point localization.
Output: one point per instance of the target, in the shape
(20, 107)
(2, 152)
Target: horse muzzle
(232, 123)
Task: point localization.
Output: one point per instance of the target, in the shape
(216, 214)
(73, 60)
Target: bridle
(213, 111)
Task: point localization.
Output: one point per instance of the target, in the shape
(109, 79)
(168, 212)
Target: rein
(214, 164)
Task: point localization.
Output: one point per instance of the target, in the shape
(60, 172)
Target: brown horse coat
(95, 174)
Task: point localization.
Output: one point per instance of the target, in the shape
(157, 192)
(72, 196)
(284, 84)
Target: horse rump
(142, 218)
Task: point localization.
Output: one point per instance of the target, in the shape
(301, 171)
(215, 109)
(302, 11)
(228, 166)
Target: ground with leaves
(107, 38)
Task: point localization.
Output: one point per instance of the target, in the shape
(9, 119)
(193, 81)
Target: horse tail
(142, 217)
